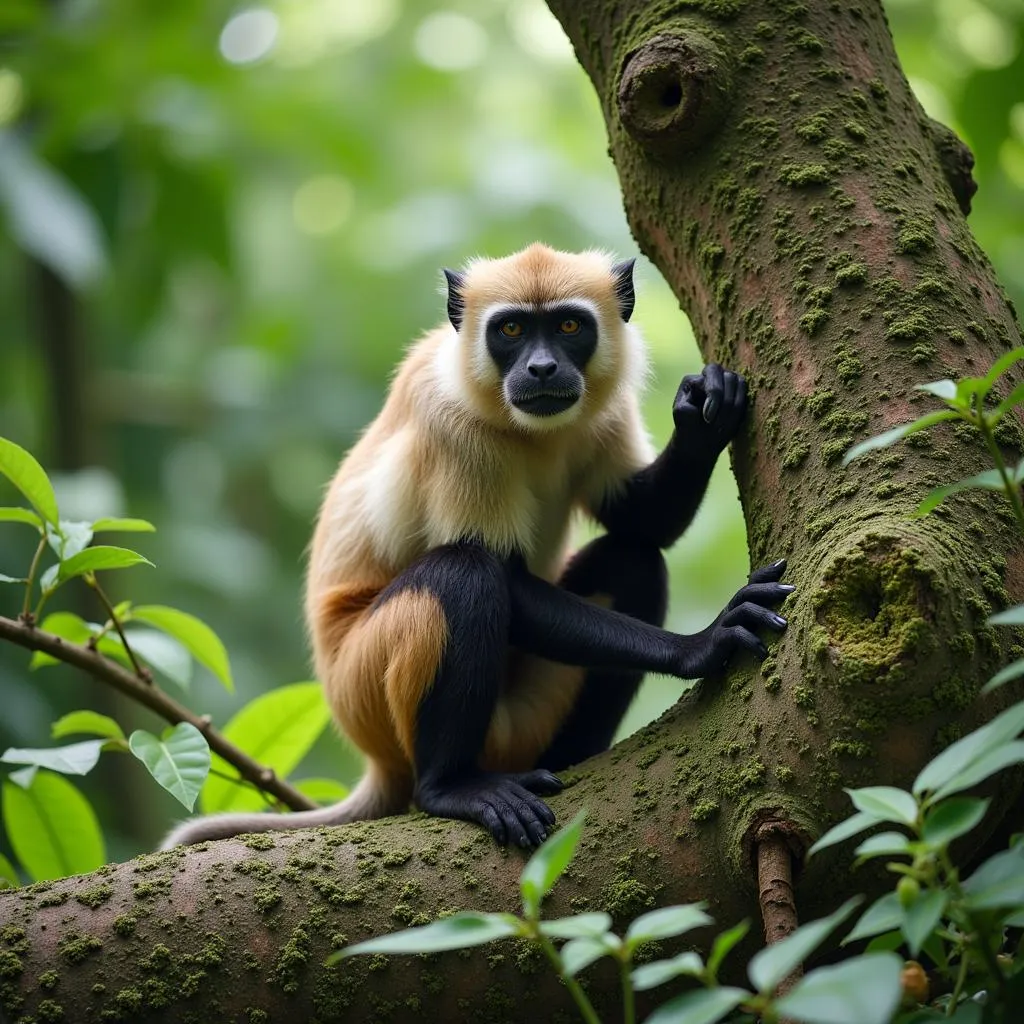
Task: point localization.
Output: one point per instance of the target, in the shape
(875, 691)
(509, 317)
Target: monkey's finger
(768, 594)
(729, 385)
(769, 573)
(527, 830)
(742, 637)
(691, 390)
(540, 781)
(741, 394)
(537, 806)
(491, 820)
(714, 386)
(510, 820)
(754, 616)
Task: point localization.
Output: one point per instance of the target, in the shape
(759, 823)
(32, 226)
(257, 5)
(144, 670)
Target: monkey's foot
(505, 804)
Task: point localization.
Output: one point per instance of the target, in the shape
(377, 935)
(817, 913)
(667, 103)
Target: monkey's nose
(543, 369)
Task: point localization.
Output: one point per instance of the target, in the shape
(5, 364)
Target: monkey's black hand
(505, 804)
(709, 407)
(734, 630)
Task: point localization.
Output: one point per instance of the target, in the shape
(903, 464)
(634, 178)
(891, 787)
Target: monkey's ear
(456, 304)
(622, 275)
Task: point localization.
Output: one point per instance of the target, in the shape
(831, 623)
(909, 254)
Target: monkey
(459, 649)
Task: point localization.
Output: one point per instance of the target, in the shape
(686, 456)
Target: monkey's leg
(443, 710)
(631, 579)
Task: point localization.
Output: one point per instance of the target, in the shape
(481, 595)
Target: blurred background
(220, 226)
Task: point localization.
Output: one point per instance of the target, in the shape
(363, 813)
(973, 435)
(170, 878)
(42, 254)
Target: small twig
(143, 673)
(152, 697)
(26, 611)
(775, 894)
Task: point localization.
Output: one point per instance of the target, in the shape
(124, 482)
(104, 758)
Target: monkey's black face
(542, 354)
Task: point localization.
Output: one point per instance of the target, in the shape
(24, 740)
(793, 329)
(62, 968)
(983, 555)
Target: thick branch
(152, 697)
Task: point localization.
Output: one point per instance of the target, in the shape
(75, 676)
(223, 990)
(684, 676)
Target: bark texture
(778, 170)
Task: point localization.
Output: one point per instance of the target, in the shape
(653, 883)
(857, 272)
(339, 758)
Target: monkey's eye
(569, 326)
(511, 328)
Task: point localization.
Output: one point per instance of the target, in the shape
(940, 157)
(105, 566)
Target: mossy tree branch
(778, 170)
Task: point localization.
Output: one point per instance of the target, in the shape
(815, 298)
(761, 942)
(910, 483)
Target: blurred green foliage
(222, 225)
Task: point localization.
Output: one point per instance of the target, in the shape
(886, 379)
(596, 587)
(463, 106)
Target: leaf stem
(628, 996)
(587, 1011)
(26, 608)
(141, 672)
(1012, 490)
(961, 980)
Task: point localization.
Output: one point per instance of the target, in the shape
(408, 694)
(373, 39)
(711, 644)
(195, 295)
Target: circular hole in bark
(672, 94)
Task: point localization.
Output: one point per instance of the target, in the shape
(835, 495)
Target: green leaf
(770, 965)
(68, 538)
(944, 389)
(1008, 617)
(111, 525)
(179, 759)
(852, 826)
(29, 477)
(90, 722)
(883, 845)
(955, 758)
(884, 915)
(100, 557)
(545, 867)
(161, 652)
(864, 990)
(578, 954)
(890, 437)
(24, 777)
(592, 924)
(887, 803)
(988, 764)
(1001, 365)
(198, 639)
(704, 1006)
(989, 480)
(278, 729)
(52, 828)
(323, 791)
(1005, 675)
(74, 759)
(921, 918)
(1014, 398)
(67, 626)
(724, 943)
(8, 874)
(952, 819)
(21, 515)
(657, 973)
(998, 883)
(460, 931)
(4, 578)
(666, 922)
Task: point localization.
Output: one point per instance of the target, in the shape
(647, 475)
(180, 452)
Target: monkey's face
(541, 354)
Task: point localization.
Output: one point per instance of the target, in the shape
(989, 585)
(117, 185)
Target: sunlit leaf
(28, 476)
(161, 652)
(665, 922)
(1005, 675)
(591, 924)
(4, 578)
(887, 803)
(882, 845)
(545, 867)
(113, 525)
(1008, 617)
(890, 437)
(991, 762)
(952, 819)
(179, 759)
(90, 722)
(884, 915)
(278, 729)
(8, 874)
(846, 829)
(944, 389)
(864, 990)
(1013, 399)
(323, 791)
(770, 965)
(657, 973)
(989, 480)
(73, 759)
(67, 626)
(460, 931)
(52, 828)
(24, 777)
(99, 558)
(198, 639)
(922, 916)
(47, 217)
(704, 1006)
(1002, 364)
(68, 538)
(20, 515)
(579, 954)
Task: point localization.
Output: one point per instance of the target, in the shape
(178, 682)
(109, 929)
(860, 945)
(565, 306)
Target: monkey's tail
(375, 796)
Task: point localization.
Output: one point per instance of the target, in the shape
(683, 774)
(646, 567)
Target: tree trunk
(780, 173)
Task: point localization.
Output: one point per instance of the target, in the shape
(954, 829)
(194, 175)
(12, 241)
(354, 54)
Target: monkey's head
(542, 337)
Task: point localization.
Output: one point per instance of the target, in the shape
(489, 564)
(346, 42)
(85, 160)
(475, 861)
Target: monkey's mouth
(546, 403)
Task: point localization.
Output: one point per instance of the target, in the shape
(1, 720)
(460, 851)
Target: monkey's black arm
(658, 503)
(563, 627)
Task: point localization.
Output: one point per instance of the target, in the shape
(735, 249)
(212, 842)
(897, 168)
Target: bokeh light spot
(322, 204)
(538, 32)
(450, 42)
(249, 36)
(11, 95)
